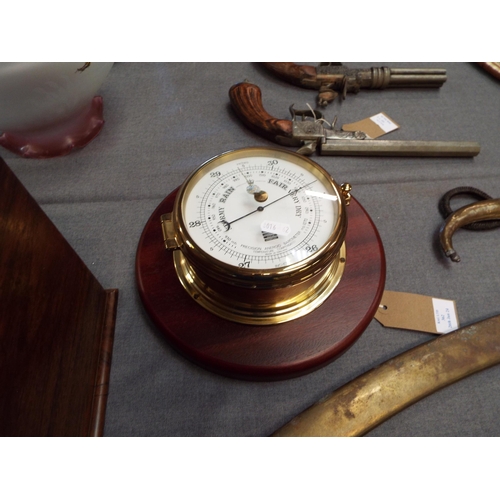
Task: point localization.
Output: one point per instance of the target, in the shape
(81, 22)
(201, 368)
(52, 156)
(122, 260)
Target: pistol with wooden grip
(312, 134)
(333, 79)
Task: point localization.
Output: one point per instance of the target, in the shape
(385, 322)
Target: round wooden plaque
(270, 352)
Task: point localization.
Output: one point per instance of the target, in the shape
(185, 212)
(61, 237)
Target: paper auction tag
(374, 127)
(411, 311)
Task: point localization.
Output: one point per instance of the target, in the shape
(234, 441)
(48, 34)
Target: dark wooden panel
(56, 326)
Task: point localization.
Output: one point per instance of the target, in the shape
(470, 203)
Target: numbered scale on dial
(258, 235)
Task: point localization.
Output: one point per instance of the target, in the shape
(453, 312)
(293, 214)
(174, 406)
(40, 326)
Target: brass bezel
(268, 277)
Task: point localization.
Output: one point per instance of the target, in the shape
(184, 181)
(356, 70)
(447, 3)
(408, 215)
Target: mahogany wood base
(271, 352)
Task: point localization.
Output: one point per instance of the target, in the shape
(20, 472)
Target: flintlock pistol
(333, 79)
(307, 134)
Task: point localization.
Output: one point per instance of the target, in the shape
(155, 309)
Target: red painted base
(271, 352)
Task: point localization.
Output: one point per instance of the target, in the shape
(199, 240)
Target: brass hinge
(346, 192)
(167, 227)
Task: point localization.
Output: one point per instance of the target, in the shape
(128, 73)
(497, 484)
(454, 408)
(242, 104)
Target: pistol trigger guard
(307, 149)
(326, 95)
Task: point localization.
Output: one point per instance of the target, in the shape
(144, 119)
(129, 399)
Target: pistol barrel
(349, 147)
(418, 77)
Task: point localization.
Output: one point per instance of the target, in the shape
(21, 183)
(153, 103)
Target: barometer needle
(227, 225)
(249, 181)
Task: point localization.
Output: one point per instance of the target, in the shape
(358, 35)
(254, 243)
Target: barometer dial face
(261, 211)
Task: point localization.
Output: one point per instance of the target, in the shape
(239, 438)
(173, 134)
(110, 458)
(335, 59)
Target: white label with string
(374, 126)
(412, 311)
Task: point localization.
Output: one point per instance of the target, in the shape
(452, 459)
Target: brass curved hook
(478, 211)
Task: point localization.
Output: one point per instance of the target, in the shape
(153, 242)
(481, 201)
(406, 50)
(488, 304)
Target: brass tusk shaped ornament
(478, 211)
(380, 393)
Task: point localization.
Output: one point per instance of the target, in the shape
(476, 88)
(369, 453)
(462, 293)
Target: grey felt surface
(164, 120)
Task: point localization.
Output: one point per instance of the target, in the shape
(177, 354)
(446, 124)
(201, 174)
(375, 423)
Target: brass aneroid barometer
(257, 235)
